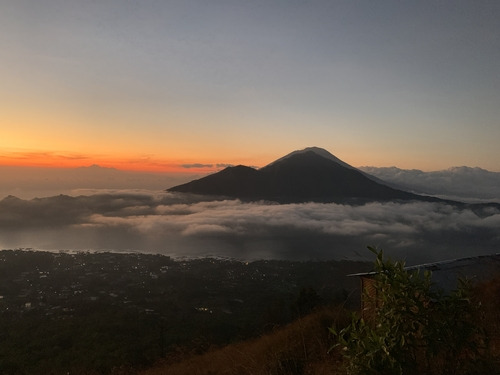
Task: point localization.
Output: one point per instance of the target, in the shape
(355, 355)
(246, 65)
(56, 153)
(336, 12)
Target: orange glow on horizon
(47, 159)
(158, 164)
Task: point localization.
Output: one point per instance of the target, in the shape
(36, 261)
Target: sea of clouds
(181, 225)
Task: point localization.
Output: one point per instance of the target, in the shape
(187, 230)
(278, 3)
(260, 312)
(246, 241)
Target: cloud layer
(178, 225)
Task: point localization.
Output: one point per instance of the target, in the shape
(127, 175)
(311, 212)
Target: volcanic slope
(309, 175)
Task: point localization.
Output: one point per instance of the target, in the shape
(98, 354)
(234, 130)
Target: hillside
(299, 348)
(92, 313)
(302, 347)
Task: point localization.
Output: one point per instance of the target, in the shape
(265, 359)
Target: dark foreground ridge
(309, 175)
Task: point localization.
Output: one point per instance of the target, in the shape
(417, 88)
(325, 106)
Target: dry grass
(299, 348)
(302, 347)
(488, 293)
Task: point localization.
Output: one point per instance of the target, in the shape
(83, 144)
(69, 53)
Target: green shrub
(416, 328)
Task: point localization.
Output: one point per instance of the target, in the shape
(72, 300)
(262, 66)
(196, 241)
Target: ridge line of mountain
(309, 175)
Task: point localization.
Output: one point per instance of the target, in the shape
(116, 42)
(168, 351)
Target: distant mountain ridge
(309, 175)
(463, 183)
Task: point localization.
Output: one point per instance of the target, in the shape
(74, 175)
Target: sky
(184, 86)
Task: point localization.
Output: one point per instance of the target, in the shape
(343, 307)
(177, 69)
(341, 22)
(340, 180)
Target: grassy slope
(299, 348)
(488, 294)
(302, 347)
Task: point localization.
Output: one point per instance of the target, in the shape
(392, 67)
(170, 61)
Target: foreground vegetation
(412, 327)
(301, 347)
(455, 334)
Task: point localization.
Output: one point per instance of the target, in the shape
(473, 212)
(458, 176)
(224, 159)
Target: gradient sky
(157, 84)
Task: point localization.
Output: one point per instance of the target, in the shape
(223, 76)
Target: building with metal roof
(444, 275)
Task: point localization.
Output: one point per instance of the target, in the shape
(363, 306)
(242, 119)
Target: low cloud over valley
(182, 225)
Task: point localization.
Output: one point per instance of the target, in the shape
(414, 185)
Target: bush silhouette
(416, 328)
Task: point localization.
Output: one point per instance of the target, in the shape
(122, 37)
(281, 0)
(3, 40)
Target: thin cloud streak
(179, 225)
(197, 165)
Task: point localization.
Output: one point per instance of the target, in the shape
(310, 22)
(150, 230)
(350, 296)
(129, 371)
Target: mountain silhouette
(309, 175)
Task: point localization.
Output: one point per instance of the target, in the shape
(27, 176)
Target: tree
(416, 327)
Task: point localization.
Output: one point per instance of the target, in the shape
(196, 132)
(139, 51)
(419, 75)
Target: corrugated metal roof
(454, 263)
(446, 273)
